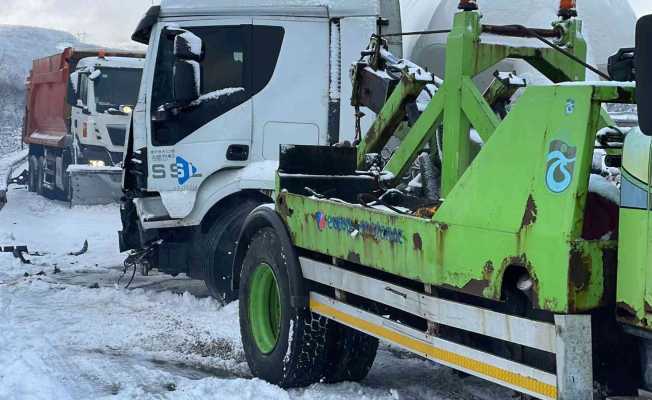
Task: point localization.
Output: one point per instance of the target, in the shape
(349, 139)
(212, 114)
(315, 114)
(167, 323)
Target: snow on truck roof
(317, 8)
(112, 62)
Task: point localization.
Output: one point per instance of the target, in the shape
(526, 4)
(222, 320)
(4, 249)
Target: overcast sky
(111, 22)
(108, 23)
(642, 6)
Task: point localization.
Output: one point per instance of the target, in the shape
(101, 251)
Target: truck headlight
(127, 110)
(97, 163)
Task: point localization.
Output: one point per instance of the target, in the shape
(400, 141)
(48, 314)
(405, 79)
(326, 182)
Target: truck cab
(224, 86)
(106, 89)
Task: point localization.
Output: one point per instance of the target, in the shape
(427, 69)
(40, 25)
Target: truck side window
(239, 62)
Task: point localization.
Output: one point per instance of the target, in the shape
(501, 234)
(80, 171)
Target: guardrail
(8, 166)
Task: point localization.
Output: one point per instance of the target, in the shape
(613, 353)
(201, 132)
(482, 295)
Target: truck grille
(117, 135)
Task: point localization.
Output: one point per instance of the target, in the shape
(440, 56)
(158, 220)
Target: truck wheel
(283, 345)
(40, 176)
(351, 356)
(66, 193)
(218, 248)
(33, 173)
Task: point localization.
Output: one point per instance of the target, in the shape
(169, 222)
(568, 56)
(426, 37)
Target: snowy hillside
(18, 47)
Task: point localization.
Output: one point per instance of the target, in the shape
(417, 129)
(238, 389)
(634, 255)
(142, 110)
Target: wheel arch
(266, 217)
(229, 201)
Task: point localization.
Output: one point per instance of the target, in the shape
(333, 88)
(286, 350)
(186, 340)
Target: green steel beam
(390, 117)
(423, 130)
(477, 110)
(461, 60)
(551, 63)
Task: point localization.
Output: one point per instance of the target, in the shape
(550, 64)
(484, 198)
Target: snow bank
(8, 165)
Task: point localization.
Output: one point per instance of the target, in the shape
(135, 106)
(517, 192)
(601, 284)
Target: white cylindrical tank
(608, 26)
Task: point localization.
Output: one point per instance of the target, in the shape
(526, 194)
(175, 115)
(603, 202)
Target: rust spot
(418, 243)
(426, 212)
(520, 261)
(488, 270)
(353, 257)
(282, 206)
(441, 236)
(530, 215)
(579, 269)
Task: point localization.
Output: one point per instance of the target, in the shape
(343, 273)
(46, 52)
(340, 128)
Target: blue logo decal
(366, 229)
(185, 170)
(561, 165)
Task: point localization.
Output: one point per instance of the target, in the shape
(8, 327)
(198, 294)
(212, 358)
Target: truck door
(190, 142)
(292, 104)
(80, 111)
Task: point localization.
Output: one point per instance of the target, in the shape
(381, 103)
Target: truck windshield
(117, 87)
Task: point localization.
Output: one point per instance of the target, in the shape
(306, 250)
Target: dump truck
(78, 107)
(508, 257)
(203, 147)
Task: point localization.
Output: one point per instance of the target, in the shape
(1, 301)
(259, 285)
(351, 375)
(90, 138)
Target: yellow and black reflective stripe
(514, 379)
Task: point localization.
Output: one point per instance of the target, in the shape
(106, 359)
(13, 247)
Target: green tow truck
(514, 267)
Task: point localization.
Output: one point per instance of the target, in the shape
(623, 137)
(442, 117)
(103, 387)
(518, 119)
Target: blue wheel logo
(561, 165)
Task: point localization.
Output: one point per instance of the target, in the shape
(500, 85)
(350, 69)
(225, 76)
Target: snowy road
(76, 334)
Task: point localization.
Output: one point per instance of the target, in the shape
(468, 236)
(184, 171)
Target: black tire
(33, 173)
(351, 354)
(40, 176)
(217, 250)
(66, 193)
(299, 357)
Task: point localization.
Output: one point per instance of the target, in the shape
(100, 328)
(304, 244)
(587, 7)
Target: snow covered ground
(78, 334)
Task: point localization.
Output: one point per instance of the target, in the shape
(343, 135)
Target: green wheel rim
(265, 309)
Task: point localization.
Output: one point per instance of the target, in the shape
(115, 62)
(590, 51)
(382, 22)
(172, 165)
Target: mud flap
(95, 186)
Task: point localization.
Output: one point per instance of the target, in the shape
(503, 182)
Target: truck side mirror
(188, 46)
(644, 73)
(186, 81)
(72, 96)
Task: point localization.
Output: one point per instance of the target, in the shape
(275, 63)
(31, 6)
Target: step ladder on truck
(512, 261)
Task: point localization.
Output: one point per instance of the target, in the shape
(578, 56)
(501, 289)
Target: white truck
(79, 105)
(224, 85)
